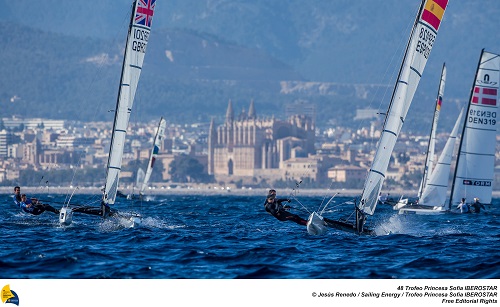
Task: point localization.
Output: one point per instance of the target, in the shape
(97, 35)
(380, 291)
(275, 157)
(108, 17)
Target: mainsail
(160, 134)
(434, 194)
(137, 40)
(429, 159)
(476, 159)
(418, 49)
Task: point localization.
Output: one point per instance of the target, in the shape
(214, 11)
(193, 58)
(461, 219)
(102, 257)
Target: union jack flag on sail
(144, 12)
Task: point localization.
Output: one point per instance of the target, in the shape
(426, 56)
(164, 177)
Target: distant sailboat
(429, 160)
(418, 49)
(160, 134)
(433, 198)
(142, 178)
(135, 50)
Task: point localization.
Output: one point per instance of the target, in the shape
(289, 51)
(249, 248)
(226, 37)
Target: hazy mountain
(58, 55)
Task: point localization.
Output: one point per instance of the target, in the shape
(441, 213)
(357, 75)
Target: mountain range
(62, 59)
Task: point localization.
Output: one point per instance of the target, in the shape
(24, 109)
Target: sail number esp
(425, 42)
(140, 42)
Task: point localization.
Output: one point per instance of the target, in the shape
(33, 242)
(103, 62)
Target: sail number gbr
(140, 41)
(425, 42)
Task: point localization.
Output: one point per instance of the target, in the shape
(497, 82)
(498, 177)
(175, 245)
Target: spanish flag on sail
(433, 12)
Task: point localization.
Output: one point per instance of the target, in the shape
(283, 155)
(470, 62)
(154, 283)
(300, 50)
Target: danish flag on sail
(144, 12)
(485, 96)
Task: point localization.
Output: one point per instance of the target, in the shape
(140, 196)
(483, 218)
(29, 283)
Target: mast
(418, 49)
(133, 58)
(429, 159)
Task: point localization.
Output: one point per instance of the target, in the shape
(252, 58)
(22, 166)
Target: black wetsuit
(277, 210)
(41, 208)
(477, 207)
(35, 209)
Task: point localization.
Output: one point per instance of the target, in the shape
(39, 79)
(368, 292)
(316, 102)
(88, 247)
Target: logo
(479, 183)
(9, 296)
(486, 80)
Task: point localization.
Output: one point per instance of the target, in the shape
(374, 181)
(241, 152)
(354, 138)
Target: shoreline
(201, 191)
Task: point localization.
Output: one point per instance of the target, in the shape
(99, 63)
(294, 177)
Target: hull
(315, 225)
(422, 211)
(346, 226)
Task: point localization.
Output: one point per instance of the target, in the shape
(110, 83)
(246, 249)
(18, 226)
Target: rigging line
(71, 196)
(329, 203)
(100, 66)
(294, 192)
(298, 201)
(38, 187)
(322, 201)
(403, 36)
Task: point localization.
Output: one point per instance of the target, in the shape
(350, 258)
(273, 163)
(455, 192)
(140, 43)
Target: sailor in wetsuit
(476, 205)
(34, 206)
(274, 206)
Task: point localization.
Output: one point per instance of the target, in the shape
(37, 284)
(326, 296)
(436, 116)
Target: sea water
(232, 237)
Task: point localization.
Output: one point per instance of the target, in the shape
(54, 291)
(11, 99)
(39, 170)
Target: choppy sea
(232, 237)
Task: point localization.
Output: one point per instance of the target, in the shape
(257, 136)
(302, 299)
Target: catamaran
(474, 170)
(433, 197)
(418, 49)
(157, 143)
(142, 178)
(135, 50)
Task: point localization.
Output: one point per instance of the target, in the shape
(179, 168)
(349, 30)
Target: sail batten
(418, 48)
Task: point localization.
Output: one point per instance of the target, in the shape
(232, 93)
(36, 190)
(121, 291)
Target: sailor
(33, 206)
(463, 206)
(274, 206)
(476, 205)
(17, 195)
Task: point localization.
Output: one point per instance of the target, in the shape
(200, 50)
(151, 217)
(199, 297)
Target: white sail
(160, 134)
(434, 194)
(137, 40)
(419, 47)
(139, 179)
(429, 160)
(476, 159)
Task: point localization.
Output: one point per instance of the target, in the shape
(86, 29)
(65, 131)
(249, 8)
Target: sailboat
(418, 49)
(429, 159)
(433, 197)
(135, 50)
(157, 143)
(474, 171)
(474, 168)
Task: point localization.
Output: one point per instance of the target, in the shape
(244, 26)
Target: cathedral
(260, 149)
